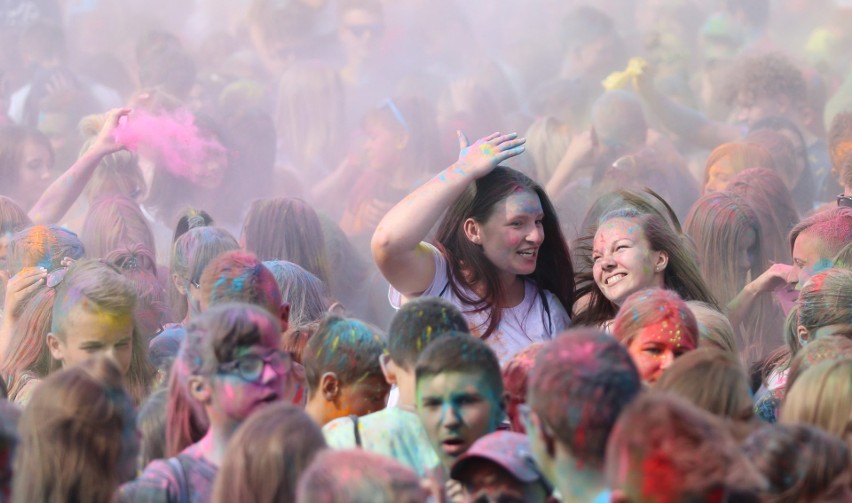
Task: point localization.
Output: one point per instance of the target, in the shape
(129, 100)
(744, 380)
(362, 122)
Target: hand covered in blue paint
(487, 153)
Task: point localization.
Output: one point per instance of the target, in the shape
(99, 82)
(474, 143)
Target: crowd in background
(426, 250)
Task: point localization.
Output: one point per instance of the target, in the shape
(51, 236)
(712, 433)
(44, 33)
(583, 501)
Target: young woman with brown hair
(499, 253)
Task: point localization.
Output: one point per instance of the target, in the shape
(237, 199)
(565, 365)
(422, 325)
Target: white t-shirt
(520, 326)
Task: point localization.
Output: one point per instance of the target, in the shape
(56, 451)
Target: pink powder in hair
(173, 139)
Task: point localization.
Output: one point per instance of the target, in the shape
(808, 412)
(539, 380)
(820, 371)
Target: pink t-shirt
(522, 325)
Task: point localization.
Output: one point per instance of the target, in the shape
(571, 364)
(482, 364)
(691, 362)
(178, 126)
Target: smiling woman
(633, 251)
(499, 253)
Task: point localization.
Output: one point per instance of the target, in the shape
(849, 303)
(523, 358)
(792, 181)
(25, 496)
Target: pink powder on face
(174, 139)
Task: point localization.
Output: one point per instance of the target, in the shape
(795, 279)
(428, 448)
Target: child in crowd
(78, 436)
(656, 327)
(459, 399)
(663, 449)
(343, 372)
(587, 371)
(267, 455)
(231, 356)
(396, 431)
(358, 476)
(499, 467)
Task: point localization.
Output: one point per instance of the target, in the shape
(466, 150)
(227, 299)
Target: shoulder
(156, 484)
(560, 317)
(339, 434)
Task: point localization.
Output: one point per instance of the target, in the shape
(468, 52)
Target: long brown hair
(28, 356)
(267, 455)
(766, 194)
(72, 436)
(718, 224)
(289, 229)
(467, 265)
(681, 274)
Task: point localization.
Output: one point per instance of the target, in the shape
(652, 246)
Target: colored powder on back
(174, 139)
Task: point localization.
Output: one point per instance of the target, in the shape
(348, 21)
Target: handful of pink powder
(173, 139)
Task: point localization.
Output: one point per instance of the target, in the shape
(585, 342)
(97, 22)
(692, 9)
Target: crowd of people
(273, 251)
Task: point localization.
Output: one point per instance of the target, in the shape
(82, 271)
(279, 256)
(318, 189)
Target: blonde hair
(822, 396)
(826, 299)
(100, 288)
(714, 328)
(358, 476)
(719, 223)
(310, 114)
(713, 380)
(547, 140)
(267, 455)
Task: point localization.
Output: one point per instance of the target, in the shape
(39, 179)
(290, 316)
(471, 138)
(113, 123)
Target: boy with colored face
(580, 383)
(397, 431)
(342, 370)
(92, 314)
(459, 398)
(816, 240)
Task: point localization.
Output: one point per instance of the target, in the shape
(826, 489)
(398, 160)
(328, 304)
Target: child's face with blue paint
(457, 408)
(624, 262)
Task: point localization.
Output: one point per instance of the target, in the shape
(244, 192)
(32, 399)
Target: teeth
(613, 279)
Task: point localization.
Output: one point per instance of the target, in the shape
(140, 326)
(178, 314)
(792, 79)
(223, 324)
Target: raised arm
(689, 124)
(61, 194)
(396, 244)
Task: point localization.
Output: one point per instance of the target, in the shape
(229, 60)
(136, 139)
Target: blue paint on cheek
(822, 265)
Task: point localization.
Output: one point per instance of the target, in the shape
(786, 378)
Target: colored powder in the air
(173, 139)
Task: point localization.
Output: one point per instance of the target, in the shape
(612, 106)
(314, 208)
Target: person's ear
(388, 368)
(56, 347)
(329, 386)
(473, 231)
(545, 436)
(178, 282)
(199, 388)
(662, 261)
(803, 335)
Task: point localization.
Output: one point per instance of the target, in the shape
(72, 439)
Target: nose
(270, 374)
(536, 235)
(607, 262)
(666, 360)
(450, 419)
(793, 275)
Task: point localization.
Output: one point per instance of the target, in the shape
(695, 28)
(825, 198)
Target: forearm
(61, 194)
(689, 124)
(739, 307)
(407, 224)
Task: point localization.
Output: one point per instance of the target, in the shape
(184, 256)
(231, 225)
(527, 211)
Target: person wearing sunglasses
(233, 367)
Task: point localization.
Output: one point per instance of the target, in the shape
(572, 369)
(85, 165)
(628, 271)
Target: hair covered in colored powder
(580, 384)
(347, 347)
(174, 138)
